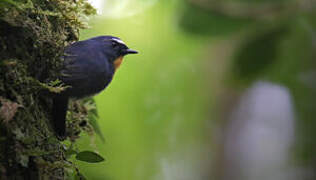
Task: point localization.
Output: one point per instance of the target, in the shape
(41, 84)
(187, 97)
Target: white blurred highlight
(191, 162)
(260, 135)
(97, 4)
(122, 8)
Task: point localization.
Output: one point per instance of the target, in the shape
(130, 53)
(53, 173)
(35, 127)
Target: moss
(33, 35)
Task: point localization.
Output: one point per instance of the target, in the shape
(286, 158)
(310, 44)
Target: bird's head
(115, 49)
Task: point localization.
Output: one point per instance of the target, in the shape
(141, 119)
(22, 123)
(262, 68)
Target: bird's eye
(114, 44)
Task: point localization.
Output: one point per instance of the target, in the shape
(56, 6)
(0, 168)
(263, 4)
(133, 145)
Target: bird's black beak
(129, 51)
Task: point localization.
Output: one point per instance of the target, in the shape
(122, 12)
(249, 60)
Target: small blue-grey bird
(88, 69)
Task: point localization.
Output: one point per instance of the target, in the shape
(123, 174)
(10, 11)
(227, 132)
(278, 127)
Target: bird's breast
(117, 62)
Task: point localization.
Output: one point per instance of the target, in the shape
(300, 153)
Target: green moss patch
(33, 35)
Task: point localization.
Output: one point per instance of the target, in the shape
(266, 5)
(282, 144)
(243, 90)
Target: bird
(88, 68)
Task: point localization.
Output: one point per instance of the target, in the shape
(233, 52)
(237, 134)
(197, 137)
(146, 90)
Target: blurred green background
(168, 112)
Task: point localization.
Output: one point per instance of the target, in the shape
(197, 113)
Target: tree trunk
(33, 34)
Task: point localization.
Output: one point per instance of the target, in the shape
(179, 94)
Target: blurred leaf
(205, 22)
(89, 156)
(94, 122)
(296, 69)
(93, 118)
(257, 54)
(262, 1)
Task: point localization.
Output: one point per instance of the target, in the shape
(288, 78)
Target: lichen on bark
(33, 35)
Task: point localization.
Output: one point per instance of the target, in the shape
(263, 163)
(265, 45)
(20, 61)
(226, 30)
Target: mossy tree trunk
(33, 34)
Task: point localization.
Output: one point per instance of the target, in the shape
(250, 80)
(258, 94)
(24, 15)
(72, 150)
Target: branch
(255, 11)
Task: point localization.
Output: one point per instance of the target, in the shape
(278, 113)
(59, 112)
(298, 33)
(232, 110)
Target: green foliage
(200, 20)
(255, 55)
(89, 156)
(278, 46)
(93, 116)
(33, 34)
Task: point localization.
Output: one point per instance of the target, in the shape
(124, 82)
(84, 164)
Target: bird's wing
(84, 77)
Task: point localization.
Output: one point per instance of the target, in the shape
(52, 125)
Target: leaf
(89, 156)
(257, 54)
(93, 121)
(93, 116)
(201, 21)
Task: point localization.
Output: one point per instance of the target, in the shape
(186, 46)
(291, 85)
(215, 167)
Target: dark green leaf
(198, 20)
(89, 156)
(257, 54)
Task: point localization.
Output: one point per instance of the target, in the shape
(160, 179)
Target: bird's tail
(60, 106)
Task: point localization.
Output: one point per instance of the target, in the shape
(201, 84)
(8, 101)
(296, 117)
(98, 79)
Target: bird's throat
(117, 62)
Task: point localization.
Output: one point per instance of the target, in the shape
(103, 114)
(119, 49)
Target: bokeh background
(219, 90)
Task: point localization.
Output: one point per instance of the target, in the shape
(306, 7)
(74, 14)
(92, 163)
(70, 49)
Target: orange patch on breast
(117, 62)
